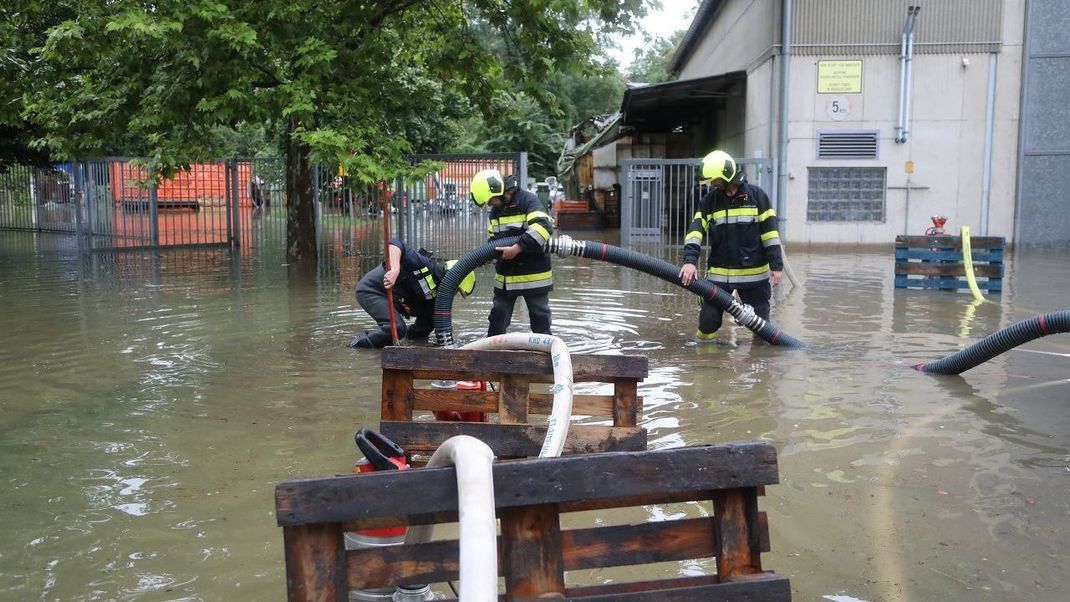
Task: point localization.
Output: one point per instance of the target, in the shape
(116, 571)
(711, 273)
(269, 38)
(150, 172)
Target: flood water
(149, 404)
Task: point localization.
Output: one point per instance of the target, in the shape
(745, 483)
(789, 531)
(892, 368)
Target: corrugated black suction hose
(565, 246)
(999, 342)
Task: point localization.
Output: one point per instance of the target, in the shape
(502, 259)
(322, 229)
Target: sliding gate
(659, 197)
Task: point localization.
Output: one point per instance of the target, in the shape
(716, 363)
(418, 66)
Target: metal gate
(659, 197)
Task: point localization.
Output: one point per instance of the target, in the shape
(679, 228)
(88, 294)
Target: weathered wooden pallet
(534, 551)
(936, 262)
(511, 436)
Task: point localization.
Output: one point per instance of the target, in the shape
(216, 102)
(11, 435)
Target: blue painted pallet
(935, 262)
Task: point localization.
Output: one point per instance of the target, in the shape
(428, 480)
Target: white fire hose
(475, 477)
(561, 412)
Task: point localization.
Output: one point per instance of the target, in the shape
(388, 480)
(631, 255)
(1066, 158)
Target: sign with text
(839, 77)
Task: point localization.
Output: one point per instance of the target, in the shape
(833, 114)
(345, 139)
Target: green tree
(651, 63)
(357, 83)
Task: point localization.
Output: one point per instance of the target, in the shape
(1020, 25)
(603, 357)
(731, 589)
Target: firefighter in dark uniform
(414, 275)
(523, 269)
(744, 253)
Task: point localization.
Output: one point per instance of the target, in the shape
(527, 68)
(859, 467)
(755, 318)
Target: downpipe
(565, 246)
(999, 342)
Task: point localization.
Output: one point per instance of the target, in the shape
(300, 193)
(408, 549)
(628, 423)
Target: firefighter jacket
(742, 234)
(417, 280)
(529, 272)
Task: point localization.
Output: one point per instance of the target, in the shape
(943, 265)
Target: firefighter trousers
(711, 316)
(501, 314)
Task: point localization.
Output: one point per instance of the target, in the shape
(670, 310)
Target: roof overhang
(662, 107)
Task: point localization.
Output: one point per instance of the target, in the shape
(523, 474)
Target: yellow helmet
(468, 283)
(718, 164)
(486, 185)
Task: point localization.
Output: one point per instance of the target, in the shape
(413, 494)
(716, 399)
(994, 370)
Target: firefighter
(523, 269)
(744, 253)
(414, 276)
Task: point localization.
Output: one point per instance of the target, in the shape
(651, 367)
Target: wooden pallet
(531, 496)
(936, 262)
(514, 434)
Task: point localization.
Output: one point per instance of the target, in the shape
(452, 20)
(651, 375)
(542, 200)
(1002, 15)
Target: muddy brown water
(149, 403)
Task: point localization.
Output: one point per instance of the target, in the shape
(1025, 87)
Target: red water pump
(454, 416)
(937, 228)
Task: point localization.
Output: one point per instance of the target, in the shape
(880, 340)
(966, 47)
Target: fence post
(78, 177)
(316, 210)
(154, 214)
(523, 160)
(626, 206)
(34, 217)
(235, 202)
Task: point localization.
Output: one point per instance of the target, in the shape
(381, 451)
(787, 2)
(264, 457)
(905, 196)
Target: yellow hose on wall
(967, 260)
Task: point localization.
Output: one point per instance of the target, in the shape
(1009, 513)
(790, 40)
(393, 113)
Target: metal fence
(109, 204)
(659, 197)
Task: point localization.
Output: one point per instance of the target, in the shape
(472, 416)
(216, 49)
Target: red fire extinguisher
(453, 415)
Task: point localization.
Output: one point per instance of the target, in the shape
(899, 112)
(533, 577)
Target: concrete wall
(946, 144)
(1044, 203)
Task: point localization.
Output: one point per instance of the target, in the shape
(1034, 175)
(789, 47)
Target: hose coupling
(562, 245)
(444, 339)
(745, 316)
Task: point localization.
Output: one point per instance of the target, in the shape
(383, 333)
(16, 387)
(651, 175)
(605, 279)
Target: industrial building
(862, 118)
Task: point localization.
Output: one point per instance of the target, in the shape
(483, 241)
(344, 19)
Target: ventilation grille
(847, 145)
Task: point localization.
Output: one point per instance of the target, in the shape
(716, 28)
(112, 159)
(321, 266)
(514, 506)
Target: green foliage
(365, 83)
(651, 63)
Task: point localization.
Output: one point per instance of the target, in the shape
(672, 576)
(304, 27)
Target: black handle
(378, 449)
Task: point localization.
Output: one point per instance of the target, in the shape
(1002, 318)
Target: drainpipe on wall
(782, 137)
(990, 118)
(906, 84)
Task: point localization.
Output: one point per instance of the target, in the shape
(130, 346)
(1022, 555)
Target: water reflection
(150, 402)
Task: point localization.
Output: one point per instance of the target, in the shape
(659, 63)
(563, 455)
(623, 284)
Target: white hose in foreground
(475, 503)
(561, 413)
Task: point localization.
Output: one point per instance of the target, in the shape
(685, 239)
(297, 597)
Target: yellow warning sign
(839, 77)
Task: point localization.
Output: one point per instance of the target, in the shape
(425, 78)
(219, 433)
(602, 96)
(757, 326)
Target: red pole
(386, 248)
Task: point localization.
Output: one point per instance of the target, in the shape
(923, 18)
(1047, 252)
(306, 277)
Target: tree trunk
(300, 214)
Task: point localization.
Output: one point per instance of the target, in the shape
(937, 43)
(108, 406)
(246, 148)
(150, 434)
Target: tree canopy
(361, 83)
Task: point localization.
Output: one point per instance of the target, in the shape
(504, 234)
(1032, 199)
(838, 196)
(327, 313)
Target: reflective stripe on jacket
(742, 234)
(528, 272)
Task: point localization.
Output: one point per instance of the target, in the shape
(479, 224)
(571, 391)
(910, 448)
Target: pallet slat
(462, 362)
(513, 440)
(524, 482)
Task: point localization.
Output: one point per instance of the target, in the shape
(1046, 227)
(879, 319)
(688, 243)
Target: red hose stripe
(604, 250)
(1043, 326)
(776, 336)
(713, 293)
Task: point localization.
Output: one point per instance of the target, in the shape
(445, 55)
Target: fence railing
(110, 203)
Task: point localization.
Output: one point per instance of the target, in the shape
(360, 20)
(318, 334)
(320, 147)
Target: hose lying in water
(564, 246)
(999, 342)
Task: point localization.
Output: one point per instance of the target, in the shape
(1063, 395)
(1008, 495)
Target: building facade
(896, 110)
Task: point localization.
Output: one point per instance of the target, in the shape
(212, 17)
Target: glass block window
(846, 194)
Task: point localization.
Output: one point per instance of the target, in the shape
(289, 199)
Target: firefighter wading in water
(523, 269)
(744, 253)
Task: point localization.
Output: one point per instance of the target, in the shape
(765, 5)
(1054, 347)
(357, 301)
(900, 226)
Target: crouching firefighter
(414, 278)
